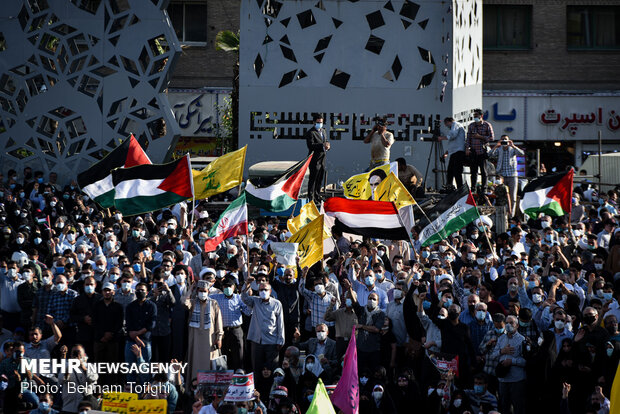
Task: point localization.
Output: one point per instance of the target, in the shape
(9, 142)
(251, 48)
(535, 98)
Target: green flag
(321, 404)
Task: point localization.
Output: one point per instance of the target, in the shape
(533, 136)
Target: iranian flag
(232, 222)
(452, 213)
(147, 188)
(96, 181)
(550, 194)
(279, 192)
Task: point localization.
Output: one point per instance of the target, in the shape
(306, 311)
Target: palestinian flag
(368, 218)
(147, 188)
(279, 192)
(96, 181)
(452, 213)
(550, 194)
(232, 222)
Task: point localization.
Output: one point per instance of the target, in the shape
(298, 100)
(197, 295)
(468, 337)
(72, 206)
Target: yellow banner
(147, 407)
(310, 240)
(358, 187)
(224, 173)
(117, 402)
(306, 214)
(391, 189)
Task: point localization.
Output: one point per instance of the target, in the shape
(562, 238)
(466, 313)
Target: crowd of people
(481, 322)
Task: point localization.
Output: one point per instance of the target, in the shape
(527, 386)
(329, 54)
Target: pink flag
(346, 396)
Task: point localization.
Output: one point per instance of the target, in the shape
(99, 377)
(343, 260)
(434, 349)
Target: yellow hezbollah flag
(391, 189)
(614, 396)
(358, 187)
(224, 173)
(306, 214)
(310, 240)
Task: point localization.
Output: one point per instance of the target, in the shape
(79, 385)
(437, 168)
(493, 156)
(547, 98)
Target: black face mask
(453, 315)
(589, 319)
(140, 294)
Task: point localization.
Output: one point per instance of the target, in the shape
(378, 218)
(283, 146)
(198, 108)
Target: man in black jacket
(81, 314)
(316, 140)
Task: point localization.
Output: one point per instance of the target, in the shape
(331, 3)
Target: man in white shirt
(380, 141)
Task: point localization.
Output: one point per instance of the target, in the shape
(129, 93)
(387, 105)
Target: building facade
(552, 76)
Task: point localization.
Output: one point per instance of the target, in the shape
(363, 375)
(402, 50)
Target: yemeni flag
(368, 218)
(550, 194)
(451, 214)
(146, 188)
(232, 222)
(279, 192)
(96, 181)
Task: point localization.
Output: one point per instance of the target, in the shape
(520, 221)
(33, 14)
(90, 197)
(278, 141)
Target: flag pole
(191, 176)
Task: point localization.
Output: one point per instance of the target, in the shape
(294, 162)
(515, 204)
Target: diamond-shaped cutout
(375, 20)
(268, 39)
(389, 6)
(406, 23)
(337, 22)
(319, 57)
(340, 79)
(306, 19)
(258, 65)
(426, 80)
(323, 44)
(301, 74)
(426, 55)
(285, 40)
(288, 53)
(287, 78)
(423, 24)
(375, 44)
(396, 67)
(409, 10)
(285, 22)
(272, 8)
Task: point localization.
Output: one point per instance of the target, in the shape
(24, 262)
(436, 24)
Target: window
(189, 21)
(593, 27)
(507, 27)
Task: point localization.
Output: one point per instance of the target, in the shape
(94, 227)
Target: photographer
(479, 134)
(507, 166)
(380, 141)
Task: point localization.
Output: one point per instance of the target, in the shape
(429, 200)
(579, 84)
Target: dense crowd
(525, 320)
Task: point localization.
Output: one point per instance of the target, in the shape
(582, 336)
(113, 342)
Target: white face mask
(81, 257)
(372, 303)
(398, 294)
(46, 281)
(320, 289)
(537, 298)
(559, 325)
(264, 294)
(180, 279)
(203, 295)
(20, 240)
(321, 336)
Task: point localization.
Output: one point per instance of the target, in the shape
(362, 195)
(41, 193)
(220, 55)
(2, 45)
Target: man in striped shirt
(479, 134)
(318, 300)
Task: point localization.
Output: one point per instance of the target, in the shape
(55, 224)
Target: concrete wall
(549, 64)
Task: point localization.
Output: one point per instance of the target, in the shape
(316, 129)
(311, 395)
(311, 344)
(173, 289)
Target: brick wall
(203, 66)
(549, 65)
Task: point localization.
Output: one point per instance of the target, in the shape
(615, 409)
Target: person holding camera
(479, 134)
(380, 141)
(507, 166)
(456, 150)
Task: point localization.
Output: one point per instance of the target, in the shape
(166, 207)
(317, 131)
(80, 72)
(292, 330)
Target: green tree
(228, 41)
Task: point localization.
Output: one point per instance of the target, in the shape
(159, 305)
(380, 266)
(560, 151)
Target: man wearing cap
(232, 308)
(205, 329)
(107, 323)
(266, 331)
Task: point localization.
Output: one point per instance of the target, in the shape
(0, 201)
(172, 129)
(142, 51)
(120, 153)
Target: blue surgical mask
(89, 289)
(476, 119)
(60, 270)
(318, 125)
(610, 352)
(478, 389)
(447, 303)
(280, 271)
(607, 296)
(44, 406)
(137, 267)
(426, 254)
(426, 305)
(499, 331)
(228, 291)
